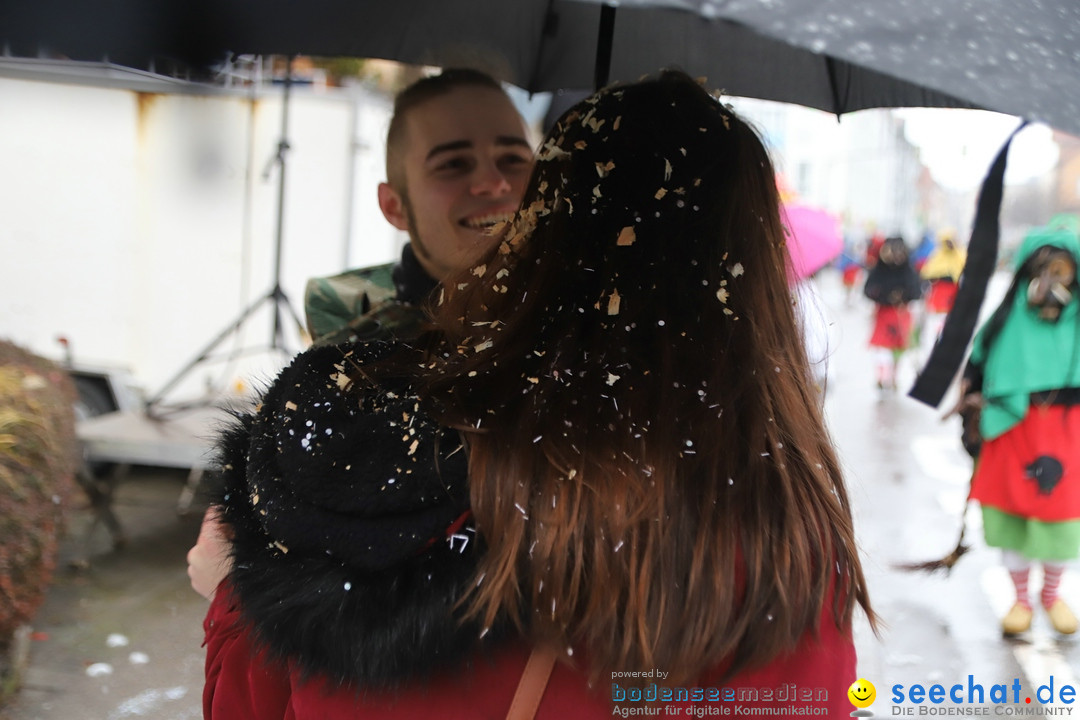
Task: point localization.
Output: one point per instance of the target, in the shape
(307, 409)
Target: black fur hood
(352, 537)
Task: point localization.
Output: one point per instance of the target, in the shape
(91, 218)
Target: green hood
(1030, 355)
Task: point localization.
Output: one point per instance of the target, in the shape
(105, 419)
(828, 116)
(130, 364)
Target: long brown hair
(648, 464)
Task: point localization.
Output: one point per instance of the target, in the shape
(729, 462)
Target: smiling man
(457, 160)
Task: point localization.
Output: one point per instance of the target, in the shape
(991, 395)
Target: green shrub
(38, 456)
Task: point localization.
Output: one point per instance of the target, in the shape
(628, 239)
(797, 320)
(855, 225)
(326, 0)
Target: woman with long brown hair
(651, 494)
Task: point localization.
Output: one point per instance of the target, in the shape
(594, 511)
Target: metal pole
(277, 342)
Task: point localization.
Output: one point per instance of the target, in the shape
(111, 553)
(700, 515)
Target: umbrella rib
(831, 69)
(604, 42)
(550, 27)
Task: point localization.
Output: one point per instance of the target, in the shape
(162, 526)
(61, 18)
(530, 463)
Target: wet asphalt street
(121, 639)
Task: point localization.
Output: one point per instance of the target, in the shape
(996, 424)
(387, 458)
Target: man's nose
(490, 180)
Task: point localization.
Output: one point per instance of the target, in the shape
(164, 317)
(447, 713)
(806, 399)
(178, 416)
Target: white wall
(140, 224)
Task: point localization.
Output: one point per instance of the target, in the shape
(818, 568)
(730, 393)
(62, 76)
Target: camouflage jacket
(378, 302)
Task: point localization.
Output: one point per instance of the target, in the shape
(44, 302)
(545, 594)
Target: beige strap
(531, 688)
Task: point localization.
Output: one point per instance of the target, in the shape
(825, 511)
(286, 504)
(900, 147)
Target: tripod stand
(276, 295)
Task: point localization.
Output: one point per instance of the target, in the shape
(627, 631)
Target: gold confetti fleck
(602, 169)
(627, 236)
(550, 151)
(462, 286)
(341, 379)
(737, 270)
(483, 346)
(580, 145)
(479, 270)
(667, 169)
(501, 274)
(728, 311)
(613, 303)
(660, 193)
(683, 151)
(722, 295)
(290, 405)
(533, 380)
(413, 446)
(596, 191)
(255, 499)
(281, 547)
(615, 125)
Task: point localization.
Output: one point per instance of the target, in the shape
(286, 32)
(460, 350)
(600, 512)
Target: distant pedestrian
(851, 270)
(942, 271)
(892, 284)
(1024, 374)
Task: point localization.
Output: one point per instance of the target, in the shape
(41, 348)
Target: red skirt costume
(892, 327)
(1031, 469)
(942, 295)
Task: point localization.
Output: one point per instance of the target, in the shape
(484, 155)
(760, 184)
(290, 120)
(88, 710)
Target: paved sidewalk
(121, 638)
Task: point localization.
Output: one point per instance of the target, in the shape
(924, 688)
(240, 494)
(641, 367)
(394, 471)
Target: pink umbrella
(814, 239)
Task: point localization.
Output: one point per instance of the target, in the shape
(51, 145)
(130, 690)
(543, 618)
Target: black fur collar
(353, 620)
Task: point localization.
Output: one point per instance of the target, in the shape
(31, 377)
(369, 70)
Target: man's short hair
(418, 93)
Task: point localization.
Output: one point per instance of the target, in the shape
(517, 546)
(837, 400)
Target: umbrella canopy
(814, 238)
(836, 55)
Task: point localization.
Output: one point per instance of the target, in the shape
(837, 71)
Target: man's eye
(453, 164)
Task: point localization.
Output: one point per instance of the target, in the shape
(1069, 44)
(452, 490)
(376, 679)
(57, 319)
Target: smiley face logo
(862, 693)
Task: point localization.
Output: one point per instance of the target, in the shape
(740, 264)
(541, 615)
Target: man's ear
(393, 207)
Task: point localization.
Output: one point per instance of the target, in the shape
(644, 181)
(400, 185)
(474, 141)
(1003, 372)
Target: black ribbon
(948, 353)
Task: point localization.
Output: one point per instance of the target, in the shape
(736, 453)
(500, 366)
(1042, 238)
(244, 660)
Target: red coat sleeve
(240, 681)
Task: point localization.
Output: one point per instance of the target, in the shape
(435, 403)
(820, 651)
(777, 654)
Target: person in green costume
(1024, 374)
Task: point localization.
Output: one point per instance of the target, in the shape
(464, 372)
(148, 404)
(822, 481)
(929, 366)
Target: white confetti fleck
(116, 640)
(737, 270)
(99, 669)
(138, 658)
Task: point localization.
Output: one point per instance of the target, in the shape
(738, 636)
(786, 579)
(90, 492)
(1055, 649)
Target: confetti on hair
(290, 405)
(736, 270)
(580, 145)
(667, 170)
(551, 151)
(660, 193)
(627, 236)
(602, 169)
(483, 346)
(612, 378)
(615, 125)
(722, 295)
(479, 270)
(613, 303)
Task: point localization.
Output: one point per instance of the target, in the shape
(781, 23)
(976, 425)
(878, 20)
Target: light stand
(276, 296)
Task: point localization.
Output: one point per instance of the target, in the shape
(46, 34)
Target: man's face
(466, 162)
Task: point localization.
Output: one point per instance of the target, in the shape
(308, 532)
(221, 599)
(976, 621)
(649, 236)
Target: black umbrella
(1019, 58)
